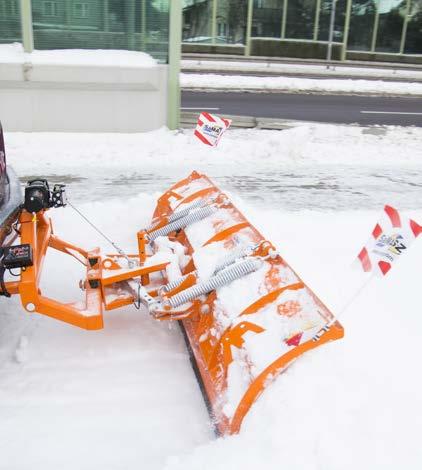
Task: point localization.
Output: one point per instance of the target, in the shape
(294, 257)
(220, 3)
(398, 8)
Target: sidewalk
(189, 119)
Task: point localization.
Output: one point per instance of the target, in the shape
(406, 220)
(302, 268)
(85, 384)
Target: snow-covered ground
(126, 398)
(210, 82)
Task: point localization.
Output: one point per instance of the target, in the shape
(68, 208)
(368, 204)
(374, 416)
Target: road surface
(345, 109)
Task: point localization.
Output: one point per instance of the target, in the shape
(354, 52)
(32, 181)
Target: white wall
(82, 98)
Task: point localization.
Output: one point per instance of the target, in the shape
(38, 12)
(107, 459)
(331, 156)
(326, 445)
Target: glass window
(413, 44)
(80, 10)
(362, 17)
(155, 27)
(234, 14)
(300, 19)
(390, 25)
(324, 20)
(14, 9)
(222, 29)
(197, 21)
(49, 8)
(140, 25)
(267, 17)
(10, 23)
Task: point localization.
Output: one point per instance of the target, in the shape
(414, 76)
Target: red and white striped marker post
(210, 128)
(390, 240)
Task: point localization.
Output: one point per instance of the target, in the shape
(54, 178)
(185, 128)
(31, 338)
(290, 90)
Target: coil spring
(181, 213)
(224, 277)
(194, 216)
(173, 284)
(233, 256)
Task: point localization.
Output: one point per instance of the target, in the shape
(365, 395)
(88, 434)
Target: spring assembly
(224, 277)
(173, 284)
(194, 216)
(231, 258)
(182, 213)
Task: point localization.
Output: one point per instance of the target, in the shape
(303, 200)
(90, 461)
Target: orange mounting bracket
(106, 285)
(36, 230)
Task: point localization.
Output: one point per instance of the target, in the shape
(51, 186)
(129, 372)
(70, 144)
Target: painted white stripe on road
(391, 112)
(202, 109)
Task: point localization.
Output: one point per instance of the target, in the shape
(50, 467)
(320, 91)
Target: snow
(313, 166)
(14, 53)
(11, 53)
(210, 82)
(207, 258)
(350, 404)
(126, 397)
(315, 144)
(385, 6)
(86, 399)
(171, 252)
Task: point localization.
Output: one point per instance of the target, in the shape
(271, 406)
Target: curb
(204, 58)
(188, 120)
(297, 91)
(311, 74)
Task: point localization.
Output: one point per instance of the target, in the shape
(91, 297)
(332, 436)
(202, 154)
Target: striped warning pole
(390, 239)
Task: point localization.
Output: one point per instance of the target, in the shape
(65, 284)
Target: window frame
(84, 12)
(3, 8)
(54, 9)
(222, 29)
(14, 7)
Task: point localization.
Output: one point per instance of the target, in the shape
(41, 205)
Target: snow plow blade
(245, 313)
(256, 321)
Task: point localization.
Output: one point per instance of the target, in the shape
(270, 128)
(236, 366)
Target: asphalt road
(346, 109)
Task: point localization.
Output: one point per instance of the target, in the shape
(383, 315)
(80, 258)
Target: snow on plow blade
(258, 317)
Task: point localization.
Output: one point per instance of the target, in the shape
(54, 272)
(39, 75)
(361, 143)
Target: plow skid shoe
(245, 332)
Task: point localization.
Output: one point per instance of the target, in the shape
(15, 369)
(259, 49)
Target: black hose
(3, 290)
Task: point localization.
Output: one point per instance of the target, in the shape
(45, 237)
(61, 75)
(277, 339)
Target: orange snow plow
(245, 314)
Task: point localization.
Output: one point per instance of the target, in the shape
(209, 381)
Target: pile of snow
(180, 151)
(126, 397)
(14, 53)
(312, 166)
(214, 82)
